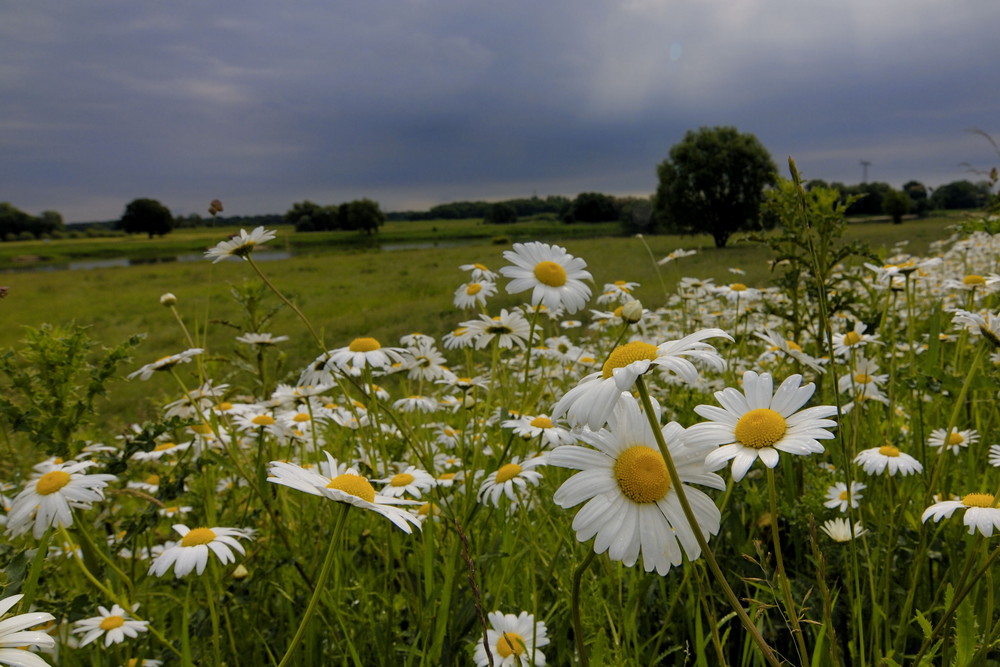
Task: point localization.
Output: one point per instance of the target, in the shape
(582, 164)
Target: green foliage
(146, 216)
(15, 224)
(713, 182)
(53, 384)
(896, 204)
(364, 215)
(962, 194)
(592, 207)
(500, 213)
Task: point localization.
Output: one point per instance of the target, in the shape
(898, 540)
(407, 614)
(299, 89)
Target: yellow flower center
(51, 482)
(641, 474)
(888, 450)
(356, 485)
(507, 472)
(202, 429)
(955, 438)
(550, 273)
(152, 480)
(301, 417)
(972, 280)
(792, 345)
(624, 355)
(473, 289)
(852, 338)
(164, 446)
(445, 477)
(427, 508)
(738, 287)
(760, 428)
(402, 479)
(224, 406)
(198, 536)
(979, 500)
(843, 495)
(364, 345)
(481, 267)
(541, 422)
(112, 622)
(263, 420)
(862, 378)
(510, 643)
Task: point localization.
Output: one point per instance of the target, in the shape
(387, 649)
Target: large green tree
(365, 215)
(147, 216)
(713, 182)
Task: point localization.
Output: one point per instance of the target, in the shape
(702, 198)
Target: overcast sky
(263, 103)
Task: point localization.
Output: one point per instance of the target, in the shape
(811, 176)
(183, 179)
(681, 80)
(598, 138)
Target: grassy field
(355, 292)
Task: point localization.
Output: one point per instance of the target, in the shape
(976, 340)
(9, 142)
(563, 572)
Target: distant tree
(636, 215)
(592, 207)
(713, 182)
(870, 198)
(13, 221)
(146, 216)
(302, 215)
(896, 204)
(920, 202)
(961, 194)
(500, 213)
(50, 222)
(365, 214)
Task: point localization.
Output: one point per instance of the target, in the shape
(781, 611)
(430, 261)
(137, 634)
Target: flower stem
(287, 302)
(779, 561)
(581, 646)
(713, 565)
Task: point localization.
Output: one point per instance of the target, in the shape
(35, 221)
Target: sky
(413, 103)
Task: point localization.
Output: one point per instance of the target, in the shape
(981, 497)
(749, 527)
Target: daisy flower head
(841, 530)
(855, 339)
(988, 324)
(542, 427)
(514, 641)
(49, 498)
(554, 276)
(412, 481)
(474, 294)
(841, 496)
(480, 272)
(509, 328)
(995, 456)
(240, 246)
(191, 552)
(342, 483)
(260, 340)
(760, 423)
(631, 507)
(954, 440)
(115, 625)
(981, 512)
(592, 401)
(887, 458)
(15, 636)
(510, 478)
(364, 353)
(165, 363)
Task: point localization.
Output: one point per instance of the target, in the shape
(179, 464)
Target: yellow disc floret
(364, 345)
(972, 280)
(624, 355)
(51, 482)
(198, 536)
(888, 450)
(508, 472)
(852, 338)
(979, 500)
(112, 622)
(641, 474)
(738, 287)
(263, 420)
(760, 428)
(355, 485)
(510, 643)
(541, 422)
(402, 479)
(473, 289)
(550, 273)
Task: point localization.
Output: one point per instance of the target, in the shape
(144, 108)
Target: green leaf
(925, 625)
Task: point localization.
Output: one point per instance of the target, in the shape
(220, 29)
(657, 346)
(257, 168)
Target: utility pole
(864, 170)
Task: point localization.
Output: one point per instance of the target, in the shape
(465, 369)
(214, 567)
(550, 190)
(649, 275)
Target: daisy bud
(168, 300)
(632, 312)
(240, 572)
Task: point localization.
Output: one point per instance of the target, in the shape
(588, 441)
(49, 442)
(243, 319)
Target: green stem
(581, 646)
(786, 588)
(320, 587)
(287, 302)
(706, 551)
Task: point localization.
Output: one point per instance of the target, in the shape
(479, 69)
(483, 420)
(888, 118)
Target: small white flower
(115, 625)
(240, 246)
(191, 553)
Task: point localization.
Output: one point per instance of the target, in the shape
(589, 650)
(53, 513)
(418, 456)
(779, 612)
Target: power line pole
(864, 170)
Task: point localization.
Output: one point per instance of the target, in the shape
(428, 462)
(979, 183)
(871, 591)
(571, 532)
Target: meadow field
(536, 449)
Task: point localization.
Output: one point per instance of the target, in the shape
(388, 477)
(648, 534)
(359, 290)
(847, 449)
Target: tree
(961, 194)
(365, 214)
(896, 203)
(592, 207)
(146, 216)
(500, 213)
(713, 182)
(917, 192)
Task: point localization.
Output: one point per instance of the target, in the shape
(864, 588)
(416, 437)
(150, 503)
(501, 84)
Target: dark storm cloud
(413, 103)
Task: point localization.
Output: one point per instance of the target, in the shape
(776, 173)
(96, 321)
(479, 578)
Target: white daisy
(841, 496)
(342, 483)
(840, 530)
(954, 441)
(986, 324)
(864, 382)
(877, 460)
(362, 353)
(513, 640)
(165, 363)
(474, 294)
(981, 512)
(553, 275)
(995, 456)
(412, 481)
(115, 625)
(510, 328)
(240, 246)
(541, 427)
(631, 506)
(191, 553)
(592, 401)
(480, 272)
(261, 339)
(854, 339)
(509, 479)
(15, 637)
(758, 423)
(48, 498)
